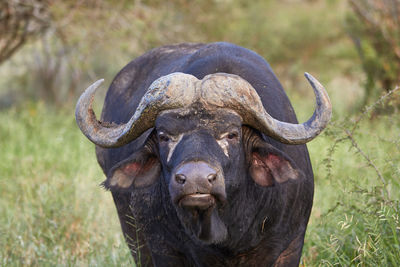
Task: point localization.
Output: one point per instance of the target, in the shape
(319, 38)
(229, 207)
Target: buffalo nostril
(212, 177)
(180, 178)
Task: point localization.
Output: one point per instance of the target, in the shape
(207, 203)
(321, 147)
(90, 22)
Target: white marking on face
(223, 143)
(172, 145)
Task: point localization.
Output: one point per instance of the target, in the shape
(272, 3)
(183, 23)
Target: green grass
(355, 219)
(53, 213)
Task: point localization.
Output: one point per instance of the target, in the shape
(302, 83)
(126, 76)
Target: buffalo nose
(180, 178)
(212, 177)
(196, 173)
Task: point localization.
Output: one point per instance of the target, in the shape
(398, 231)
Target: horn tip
(98, 82)
(309, 76)
(90, 90)
(312, 80)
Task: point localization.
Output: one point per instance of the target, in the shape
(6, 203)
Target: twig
(370, 163)
(369, 108)
(363, 13)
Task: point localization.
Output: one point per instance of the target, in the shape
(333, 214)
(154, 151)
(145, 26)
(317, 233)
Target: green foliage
(355, 220)
(294, 37)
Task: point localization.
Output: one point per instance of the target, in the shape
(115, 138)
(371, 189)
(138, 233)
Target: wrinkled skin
(255, 193)
(198, 136)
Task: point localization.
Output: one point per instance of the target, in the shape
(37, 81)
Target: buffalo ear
(269, 165)
(139, 170)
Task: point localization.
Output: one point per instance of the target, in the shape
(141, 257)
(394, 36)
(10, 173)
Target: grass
(53, 213)
(355, 219)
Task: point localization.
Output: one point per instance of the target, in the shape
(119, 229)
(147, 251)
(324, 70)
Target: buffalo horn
(179, 90)
(237, 94)
(164, 93)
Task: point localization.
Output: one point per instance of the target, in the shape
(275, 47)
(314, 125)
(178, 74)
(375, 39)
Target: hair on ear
(269, 165)
(141, 169)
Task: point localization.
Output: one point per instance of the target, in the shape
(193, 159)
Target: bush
(374, 27)
(355, 220)
(74, 51)
(21, 21)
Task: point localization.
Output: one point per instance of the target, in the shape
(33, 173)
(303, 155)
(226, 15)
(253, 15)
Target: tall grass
(355, 220)
(52, 211)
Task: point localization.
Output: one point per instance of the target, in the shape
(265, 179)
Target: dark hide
(267, 209)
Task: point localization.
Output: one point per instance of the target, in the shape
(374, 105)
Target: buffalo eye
(232, 135)
(163, 137)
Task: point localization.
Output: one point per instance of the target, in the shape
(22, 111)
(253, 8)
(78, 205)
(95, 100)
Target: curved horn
(236, 93)
(172, 91)
(179, 90)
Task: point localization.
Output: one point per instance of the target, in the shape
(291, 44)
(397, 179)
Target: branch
(19, 22)
(371, 107)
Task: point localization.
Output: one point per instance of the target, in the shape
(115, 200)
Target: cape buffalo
(204, 157)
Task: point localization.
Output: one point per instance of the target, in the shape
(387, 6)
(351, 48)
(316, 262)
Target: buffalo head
(207, 139)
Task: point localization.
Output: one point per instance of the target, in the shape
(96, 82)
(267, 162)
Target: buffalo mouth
(200, 202)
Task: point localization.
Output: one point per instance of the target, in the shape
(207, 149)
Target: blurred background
(52, 211)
